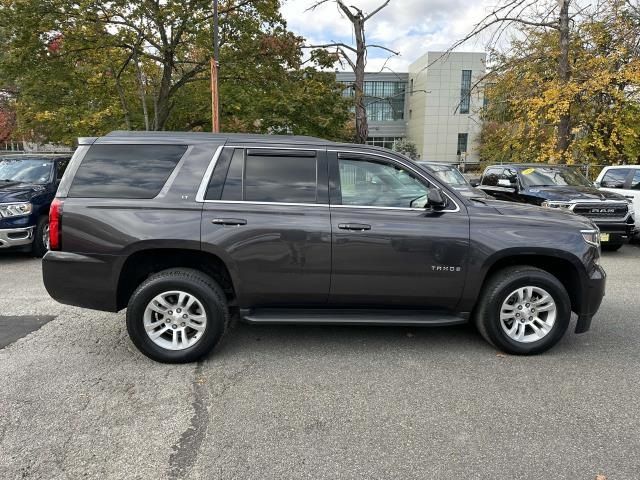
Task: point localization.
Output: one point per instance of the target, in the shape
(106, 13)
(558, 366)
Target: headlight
(592, 237)
(15, 209)
(566, 206)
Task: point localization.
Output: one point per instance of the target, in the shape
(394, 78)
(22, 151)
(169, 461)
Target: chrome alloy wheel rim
(175, 320)
(46, 236)
(528, 314)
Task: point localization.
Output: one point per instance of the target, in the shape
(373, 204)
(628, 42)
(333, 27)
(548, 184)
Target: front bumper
(595, 291)
(618, 231)
(16, 237)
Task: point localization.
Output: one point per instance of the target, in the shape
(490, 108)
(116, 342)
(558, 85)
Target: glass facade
(386, 142)
(465, 92)
(383, 100)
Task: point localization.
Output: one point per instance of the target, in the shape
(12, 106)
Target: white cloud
(411, 27)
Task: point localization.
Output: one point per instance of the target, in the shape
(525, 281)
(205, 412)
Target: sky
(411, 27)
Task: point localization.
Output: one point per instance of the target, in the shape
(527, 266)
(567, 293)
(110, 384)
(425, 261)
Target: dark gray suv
(187, 230)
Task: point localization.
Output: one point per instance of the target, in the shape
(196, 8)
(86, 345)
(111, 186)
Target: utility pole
(215, 108)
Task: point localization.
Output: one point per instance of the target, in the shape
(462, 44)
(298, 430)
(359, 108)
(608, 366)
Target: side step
(351, 317)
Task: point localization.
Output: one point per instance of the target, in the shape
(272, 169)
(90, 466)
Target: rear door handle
(230, 222)
(360, 227)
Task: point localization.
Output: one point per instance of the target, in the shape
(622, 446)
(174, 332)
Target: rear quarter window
(125, 171)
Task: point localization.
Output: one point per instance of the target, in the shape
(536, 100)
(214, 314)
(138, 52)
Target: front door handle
(229, 222)
(360, 227)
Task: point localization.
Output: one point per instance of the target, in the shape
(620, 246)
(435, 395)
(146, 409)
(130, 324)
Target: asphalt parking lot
(77, 400)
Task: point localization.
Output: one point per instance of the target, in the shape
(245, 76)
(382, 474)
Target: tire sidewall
(144, 295)
(563, 304)
(38, 247)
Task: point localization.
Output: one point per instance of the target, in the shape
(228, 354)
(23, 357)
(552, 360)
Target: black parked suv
(185, 230)
(28, 185)
(562, 187)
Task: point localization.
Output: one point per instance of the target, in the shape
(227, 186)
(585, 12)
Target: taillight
(55, 231)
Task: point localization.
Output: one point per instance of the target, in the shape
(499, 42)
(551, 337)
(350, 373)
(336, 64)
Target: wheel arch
(141, 264)
(567, 268)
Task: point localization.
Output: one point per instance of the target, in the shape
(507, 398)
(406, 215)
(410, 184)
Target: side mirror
(435, 199)
(597, 184)
(475, 182)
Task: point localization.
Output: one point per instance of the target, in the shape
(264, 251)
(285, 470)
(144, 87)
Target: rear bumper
(16, 237)
(80, 280)
(592, 299)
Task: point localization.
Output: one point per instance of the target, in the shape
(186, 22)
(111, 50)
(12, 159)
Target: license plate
(604, 237)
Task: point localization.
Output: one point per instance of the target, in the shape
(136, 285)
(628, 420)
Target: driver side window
(376, 184)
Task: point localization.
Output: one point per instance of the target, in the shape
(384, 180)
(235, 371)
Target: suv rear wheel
(177, 316)
(523, 310)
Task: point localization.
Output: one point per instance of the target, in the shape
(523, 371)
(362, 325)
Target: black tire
(496, 291)
(194, 282)
(611, 247)
(39, 246)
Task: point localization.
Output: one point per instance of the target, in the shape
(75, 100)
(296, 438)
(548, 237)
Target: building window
(463, 140)
(465, 92)
(384, 101)
(411, 88)
(386, 142)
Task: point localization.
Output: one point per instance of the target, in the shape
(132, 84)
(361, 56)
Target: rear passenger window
(615, 178)
(265, 175)
(284, 179)
(125, 171)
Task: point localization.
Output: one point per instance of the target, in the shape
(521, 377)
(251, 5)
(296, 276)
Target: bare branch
(331, 45)
(383, 48)
(376, 10)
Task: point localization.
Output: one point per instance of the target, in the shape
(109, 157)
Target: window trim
(361, 155)
(416, 171)
(204, 184)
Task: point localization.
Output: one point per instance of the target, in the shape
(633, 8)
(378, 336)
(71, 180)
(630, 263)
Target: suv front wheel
(523, 310)
(177, 315)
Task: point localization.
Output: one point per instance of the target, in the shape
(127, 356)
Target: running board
(427, 318)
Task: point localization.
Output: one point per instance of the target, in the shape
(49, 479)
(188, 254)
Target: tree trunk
(123, 99)
(564, 75)
(362, 126)
(142, 92)
(163, 106)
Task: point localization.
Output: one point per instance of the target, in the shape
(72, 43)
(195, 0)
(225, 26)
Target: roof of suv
(208, 137)
(36, 156)
(204, 137)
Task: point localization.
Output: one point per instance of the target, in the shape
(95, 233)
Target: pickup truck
(565, 188)
(28, 184)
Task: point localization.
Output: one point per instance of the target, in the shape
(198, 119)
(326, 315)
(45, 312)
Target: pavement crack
(185, 452)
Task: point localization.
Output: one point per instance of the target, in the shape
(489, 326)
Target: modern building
(436, 105)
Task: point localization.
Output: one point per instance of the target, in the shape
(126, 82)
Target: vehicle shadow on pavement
(347, 339)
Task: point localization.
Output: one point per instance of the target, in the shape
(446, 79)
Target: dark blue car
(28, 184)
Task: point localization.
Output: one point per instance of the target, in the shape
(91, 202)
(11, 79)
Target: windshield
(448, 175)
(546, 176)
(25, 170)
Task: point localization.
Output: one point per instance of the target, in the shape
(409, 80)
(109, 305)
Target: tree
(343, 51)
(528, 97)
(144, 65)
(406, 147)
(539, 16)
